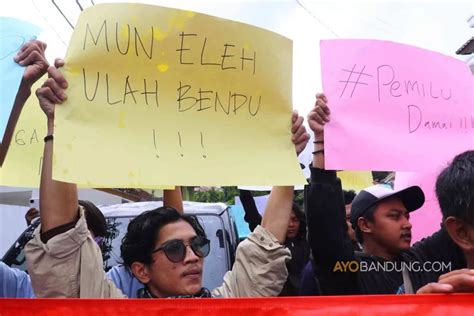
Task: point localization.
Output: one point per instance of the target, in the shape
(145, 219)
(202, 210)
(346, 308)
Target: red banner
(377, 305)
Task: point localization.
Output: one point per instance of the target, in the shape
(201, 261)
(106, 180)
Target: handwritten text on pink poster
(394, 106)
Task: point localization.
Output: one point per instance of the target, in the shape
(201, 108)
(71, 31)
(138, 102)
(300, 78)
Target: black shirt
(330, 243)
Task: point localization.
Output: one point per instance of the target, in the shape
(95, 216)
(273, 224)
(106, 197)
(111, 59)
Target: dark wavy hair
(455, 188)
(302, 218)
(96, 222)
(142, 232)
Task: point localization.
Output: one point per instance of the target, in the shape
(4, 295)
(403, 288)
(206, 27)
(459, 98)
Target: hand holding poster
(394, 107)
(165, 96)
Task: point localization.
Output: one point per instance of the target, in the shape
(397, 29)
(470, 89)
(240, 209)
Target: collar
(146, 293)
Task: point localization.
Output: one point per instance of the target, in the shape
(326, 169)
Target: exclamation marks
(40, 165)
(180, 144)
(202, 145)
(154, 143)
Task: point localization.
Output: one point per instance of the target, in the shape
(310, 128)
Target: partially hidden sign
(160, 96)
(13, 35)
(394, 107)
(22, 166)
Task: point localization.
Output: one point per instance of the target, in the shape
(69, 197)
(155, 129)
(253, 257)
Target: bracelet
(318, 142)
(321, 151)
(48, 137)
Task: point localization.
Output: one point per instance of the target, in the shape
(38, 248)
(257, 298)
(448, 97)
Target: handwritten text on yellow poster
(165, 96)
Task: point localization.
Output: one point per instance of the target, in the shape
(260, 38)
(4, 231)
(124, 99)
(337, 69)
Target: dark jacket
(309, 285)
(330, 243)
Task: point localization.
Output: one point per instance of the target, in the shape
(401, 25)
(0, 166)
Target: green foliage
(299, 198)
(227, 195)
(214, 195)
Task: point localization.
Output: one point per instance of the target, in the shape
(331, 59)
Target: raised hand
(31, 55)
(319, 115)
(300, 136)
(53, 90)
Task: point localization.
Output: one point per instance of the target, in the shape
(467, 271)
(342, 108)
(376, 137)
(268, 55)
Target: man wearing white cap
(380, 217)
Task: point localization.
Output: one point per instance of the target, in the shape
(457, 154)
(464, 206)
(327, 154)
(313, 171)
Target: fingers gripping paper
(165, 96)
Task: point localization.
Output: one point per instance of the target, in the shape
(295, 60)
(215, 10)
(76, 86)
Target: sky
(435, 25)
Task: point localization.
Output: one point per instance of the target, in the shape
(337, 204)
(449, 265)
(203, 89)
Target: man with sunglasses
(164, 249)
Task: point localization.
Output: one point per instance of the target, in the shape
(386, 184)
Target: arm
(14, 283)
(277, 213)
(260, 262)
(278, 210)
(259, 269)
(325, 212)
(58, 200)
(252, 216)
(31, 56)
(458, 281)
(174, 199)
(63, 240)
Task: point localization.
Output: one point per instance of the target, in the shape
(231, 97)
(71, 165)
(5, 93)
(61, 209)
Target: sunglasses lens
(175, 251)
(201, 246)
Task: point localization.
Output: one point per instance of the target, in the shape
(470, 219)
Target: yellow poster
(22, 166)
(160, 96)
(355, 180)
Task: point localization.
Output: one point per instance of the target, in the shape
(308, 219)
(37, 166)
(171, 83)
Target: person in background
(309, 284)
(380, 218)
(295, 240)
(455, 192)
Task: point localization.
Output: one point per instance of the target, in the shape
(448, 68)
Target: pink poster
(427, 219)
(394, 107)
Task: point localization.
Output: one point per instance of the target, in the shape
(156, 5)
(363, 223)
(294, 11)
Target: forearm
(23, 94)
(325, 214)
(58, 200)
(173, 198)
(278, 211)
(259, 269)
(20, 100)
(327, 235)
(318, 154)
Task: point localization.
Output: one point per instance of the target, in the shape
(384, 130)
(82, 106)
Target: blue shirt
(125, 281)
(14, 283)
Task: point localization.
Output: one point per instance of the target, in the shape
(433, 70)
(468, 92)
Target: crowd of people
(290, 251)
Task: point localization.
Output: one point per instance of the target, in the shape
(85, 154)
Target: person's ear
(364, 225)
(460, 232)
(141, 272)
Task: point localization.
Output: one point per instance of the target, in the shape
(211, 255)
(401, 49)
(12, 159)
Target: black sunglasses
(175, 250)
